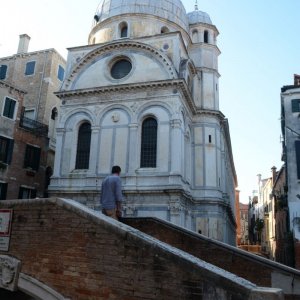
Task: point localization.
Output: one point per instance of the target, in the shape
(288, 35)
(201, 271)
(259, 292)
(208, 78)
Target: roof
(198, 16)
(172, 10)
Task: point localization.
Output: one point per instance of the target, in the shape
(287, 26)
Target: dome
(198, 16)
(172, 10)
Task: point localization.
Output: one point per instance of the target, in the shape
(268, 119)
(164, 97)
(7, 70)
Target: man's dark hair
(116, 169)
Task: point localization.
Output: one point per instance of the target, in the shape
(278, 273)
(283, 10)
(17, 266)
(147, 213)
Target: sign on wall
(5, 228)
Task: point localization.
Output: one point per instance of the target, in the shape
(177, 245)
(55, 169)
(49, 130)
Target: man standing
(111, 194)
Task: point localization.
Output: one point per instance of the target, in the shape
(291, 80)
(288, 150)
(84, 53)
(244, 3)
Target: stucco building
(144, 94)
(290, 112)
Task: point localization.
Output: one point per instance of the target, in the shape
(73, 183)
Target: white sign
(5, 228)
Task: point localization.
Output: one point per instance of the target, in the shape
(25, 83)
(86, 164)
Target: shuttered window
(3, 70)
(6, 149)
(297, 148)
(149, 143)
(32, 157)
(9, 108)
(83, 146)
(3, 190)
(27, 193)
(60, 73)
(30, 66)
(296, 105)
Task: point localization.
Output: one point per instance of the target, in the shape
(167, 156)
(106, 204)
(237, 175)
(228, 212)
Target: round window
(121, 68)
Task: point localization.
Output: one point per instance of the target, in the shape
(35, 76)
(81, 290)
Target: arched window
(149, 143)
(195, 38)
(205, 36)
(54, 113)
(164, 29)
(123, 30)
(83, 146)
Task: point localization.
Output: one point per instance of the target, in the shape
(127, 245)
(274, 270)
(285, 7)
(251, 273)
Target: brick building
(28, 119)
(23, 148)
(244, 223)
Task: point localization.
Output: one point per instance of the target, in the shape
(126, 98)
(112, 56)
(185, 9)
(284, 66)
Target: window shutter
(3, 70)
(297, 148)
(20, 193)
(33, 194)
(3, 191)
(10, 149)
(36, 161)
(27, 157)
(296, 105)
(9, 108)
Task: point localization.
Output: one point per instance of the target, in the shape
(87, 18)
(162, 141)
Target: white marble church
(144, 94)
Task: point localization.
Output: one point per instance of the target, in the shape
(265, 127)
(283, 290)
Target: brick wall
(84, 255)
(297, 255)
(246, 265)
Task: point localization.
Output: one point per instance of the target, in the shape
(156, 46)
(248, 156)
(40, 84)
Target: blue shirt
(111, 192)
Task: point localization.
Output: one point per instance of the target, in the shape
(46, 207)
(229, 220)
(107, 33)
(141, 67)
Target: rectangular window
(30, 66)
(29, 113)
(3, 190)
(296, 105)
(3, 70)
(9, 108)
(297, 148)
(32, 157)
(27, 193)
(6, 149)
(61, 73)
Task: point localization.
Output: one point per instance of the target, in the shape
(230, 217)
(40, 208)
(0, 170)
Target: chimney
(23, 43)
(273, 175)
(296, 79)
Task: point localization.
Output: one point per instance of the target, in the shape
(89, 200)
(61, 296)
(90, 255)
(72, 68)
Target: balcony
(34, 126)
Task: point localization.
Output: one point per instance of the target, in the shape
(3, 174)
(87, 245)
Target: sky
(260, 47)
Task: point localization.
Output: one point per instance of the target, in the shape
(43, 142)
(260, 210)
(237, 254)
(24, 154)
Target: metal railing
(34, 126)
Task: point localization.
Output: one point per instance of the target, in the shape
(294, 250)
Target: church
(144, 95)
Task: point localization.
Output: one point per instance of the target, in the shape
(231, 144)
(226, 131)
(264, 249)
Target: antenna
(196, 5)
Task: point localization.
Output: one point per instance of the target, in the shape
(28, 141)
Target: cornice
(28, 54)
(175, 83)
(10, 86)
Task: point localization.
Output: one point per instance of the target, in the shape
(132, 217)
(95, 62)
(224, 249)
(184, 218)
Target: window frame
(32, 157)
(9, 114)
(82, 160)
(29, 111)
(3, 190)
(60, 70)
(8, 152)
(120, 73)
(32, 192)
(295, 105)
(297, 158)
(206, 36)
(123, 26)
(3, 73)
(148, 156)
(30, 68)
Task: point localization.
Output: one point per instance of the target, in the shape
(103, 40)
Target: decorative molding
(9, 272)
(179, 84)
(119, 45)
